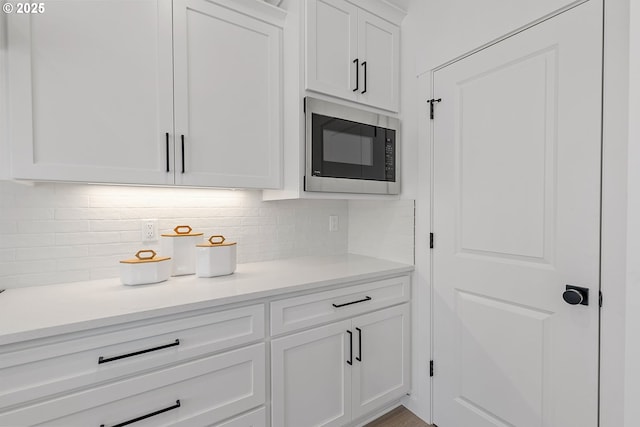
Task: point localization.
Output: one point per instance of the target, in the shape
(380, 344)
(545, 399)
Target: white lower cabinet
(197, 393)
(311, 380)
(333, 374)
(345, 355)
(382, 364)
(257, 418)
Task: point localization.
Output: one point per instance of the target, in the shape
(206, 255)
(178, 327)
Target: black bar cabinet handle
(167, 136)
(136, 353)
(350, 361)
(352, 302)
(364, 64)
(182, 138)
(144, 417)
(359, 358)
(355, 61)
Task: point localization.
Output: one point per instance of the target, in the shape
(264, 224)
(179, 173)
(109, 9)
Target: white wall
(614, 214)
(382, 229)
(632, 368)
(4, 126)
(54, 233)
(414, 118)
(453, 27)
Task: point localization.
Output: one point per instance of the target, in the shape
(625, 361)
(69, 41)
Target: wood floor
(399, 417)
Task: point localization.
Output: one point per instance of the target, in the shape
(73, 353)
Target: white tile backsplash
(382, 229)
(57, 233)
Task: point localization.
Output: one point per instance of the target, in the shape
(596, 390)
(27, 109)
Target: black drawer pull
(350, 361)
(136, 353)
(144, 417)
(352, 302)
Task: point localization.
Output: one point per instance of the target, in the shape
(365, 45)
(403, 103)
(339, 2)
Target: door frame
(613, 205)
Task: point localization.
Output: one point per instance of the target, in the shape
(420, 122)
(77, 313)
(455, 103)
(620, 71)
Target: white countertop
(40, 311)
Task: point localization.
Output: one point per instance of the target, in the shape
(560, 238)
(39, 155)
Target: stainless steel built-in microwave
(350, 150)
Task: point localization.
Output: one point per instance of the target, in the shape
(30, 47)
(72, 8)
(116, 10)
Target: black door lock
(575, 295)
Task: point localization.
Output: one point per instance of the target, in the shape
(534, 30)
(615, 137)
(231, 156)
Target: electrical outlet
(149, 230)
(333, 222)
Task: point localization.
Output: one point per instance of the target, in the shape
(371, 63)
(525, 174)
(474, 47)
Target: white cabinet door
(352, 54)
(257, 418)
(332, 47)
(227, 97)
(379, 53)
(381, 367)
(311, 377)
(91, 92)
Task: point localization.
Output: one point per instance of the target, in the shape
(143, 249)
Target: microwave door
(345, 149)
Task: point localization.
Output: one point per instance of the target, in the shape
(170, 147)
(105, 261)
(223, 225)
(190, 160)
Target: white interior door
(516, 218)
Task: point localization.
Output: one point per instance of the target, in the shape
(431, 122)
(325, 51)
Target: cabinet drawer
(257, 418)
(196, 393)
(308, 310)
(40, 371)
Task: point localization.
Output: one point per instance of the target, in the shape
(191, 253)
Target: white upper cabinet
(352, 53)
(379, 50)
(107, 91)
(91, 91)
(332, 47)
(227, 97)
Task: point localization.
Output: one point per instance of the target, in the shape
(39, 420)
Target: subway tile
(8, 227)
(88, 263)
(16, 213)
(38, 279)
(51, 252)
(14, 268)
(126, 250)
(7, 254)
(115, 225)
(88, 238)
(28, 227)
(26, 240)
(88, 229)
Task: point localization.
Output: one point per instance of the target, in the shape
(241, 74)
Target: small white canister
(181, 247)
(216, 258)
(145, 268)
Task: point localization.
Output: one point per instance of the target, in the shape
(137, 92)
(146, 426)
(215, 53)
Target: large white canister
(145, 268)
(216, 258)
(181, 247)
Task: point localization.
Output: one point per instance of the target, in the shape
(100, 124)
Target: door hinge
(600, 298)
(431, 102)
(430, 240)
(431, 368)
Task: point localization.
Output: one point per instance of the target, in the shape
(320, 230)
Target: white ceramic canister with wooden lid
(216, 258)
(181, 247)
(145, 268)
